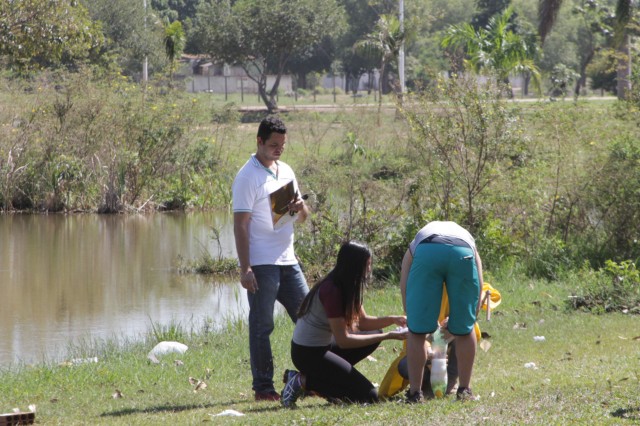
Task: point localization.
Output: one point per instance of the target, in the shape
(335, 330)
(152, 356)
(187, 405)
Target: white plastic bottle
(439, 365)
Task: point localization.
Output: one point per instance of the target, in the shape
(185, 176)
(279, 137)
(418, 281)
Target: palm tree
(174, 43)
(496, 48)
(383, 44)
(548, 12)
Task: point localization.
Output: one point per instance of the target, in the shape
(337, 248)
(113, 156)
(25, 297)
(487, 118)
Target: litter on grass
(233, 413)
(164, 348)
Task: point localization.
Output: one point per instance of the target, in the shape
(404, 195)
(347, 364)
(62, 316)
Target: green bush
(615, 287)
(614, 201)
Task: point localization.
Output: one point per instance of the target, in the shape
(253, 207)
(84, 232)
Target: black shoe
(414, 398)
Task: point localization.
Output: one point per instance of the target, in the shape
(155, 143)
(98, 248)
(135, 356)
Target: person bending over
(441, 252)
(333, 333)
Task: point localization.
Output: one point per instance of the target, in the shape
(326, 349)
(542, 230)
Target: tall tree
(496, 48)
(262, 35)
(361, 17)
(43, 33)
(383, 44)
(174, 42)
(131, 33)
(486, 9)
(548, 12)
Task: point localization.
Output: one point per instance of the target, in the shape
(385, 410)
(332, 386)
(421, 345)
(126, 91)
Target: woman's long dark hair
(349, 275)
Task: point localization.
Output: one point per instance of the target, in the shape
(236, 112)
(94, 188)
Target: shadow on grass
(627, 413)
(180, 408)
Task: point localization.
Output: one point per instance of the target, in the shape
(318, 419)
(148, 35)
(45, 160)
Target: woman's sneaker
(465, 394)
(292, 389)
(288, 374)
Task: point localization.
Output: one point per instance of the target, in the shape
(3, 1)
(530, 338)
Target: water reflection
(63, 278)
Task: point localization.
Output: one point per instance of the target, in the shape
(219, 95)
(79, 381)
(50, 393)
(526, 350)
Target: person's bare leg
(466, 354)
(416, 358)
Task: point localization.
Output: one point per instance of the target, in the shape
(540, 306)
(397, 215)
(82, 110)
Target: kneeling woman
(325, 345)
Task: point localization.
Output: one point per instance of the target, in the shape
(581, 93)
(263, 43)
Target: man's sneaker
(292, 389)
(414, 398)
(465, 394)
(267, 396)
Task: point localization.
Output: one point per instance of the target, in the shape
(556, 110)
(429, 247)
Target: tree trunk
(582, 81)
(624, 68)
(302, 81)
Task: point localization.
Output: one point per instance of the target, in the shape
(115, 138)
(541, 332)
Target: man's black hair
(270, 124)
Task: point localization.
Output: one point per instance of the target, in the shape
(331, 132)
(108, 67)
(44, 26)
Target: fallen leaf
(178, 363)
(636, 338)
(193, 381)
(117, 394)
(485, 335)
(207, 373)
(53, 400)
(519, 326)
(624, 379)
(512, 388)
(200, 386)
(485, 345)
(597, 342)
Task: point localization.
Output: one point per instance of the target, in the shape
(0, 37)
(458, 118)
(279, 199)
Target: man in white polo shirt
(266, 203)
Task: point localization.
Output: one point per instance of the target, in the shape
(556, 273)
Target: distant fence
(232, 84)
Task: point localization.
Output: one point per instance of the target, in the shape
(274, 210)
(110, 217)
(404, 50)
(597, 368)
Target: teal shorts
(434, 264)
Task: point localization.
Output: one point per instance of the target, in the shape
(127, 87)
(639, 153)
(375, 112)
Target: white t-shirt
(251, 189)
(442, 229)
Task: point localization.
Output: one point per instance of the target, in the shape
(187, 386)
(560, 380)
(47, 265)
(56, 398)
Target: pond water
(72, 278)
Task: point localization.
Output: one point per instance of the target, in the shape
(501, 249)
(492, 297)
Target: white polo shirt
(251, 189)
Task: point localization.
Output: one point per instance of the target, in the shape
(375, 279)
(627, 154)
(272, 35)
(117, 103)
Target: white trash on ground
(229, 413)
(539, 338)
(164, 348)
(531, 365)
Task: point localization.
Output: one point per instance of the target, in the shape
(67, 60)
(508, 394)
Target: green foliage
(616, 200)
(131, 35)
(496, 48)
(40, 33)
(262, 36)
(602, 71)
(173, 332)
(174, 42)
(547, 258)
(615, 287)
(466, 139)
(561, 79)
(83, 142)
(208, 263)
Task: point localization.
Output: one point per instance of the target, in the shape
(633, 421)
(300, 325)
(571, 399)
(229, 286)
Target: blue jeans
(287, 285)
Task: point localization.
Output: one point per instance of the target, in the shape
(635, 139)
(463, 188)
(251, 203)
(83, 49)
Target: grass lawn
(587, 371)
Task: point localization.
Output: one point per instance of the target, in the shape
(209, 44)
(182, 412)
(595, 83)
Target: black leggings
(329, 371)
